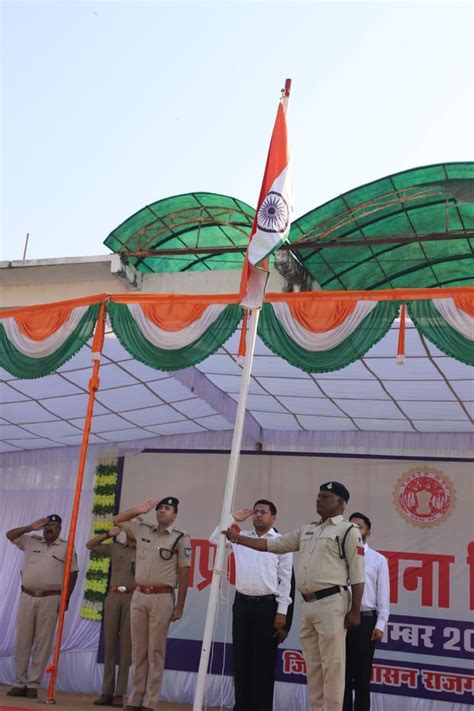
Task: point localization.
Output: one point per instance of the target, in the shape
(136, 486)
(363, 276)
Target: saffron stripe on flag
(272, 221)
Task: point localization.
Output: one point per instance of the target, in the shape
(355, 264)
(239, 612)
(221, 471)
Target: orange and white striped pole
(97, 346)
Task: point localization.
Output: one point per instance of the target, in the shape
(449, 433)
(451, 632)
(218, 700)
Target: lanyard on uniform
(167, 553)
(340, 544)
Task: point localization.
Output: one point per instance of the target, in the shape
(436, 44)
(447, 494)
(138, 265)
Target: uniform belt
(154, 590)
(368, 613)
(320, 594)
(40, 593)
(258, 598)
(120, 589)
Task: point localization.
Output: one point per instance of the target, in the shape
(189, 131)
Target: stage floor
(65, 702)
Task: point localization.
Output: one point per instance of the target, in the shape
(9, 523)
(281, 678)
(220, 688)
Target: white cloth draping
(32, 485)
(462, 322)
(288, 697)
(41, 349)
(171, 340)
(327, 339)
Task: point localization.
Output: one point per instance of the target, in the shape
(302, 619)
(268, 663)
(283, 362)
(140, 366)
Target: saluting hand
(115, 531)
(37, 525)
(147, 506)
(242, 515)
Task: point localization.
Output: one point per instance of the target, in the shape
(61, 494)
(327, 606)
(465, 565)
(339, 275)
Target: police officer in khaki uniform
(331, 558)
(162, 564)
(116, 613)
(42, 578)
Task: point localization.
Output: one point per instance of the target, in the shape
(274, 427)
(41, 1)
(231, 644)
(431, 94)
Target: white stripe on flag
(273, 219)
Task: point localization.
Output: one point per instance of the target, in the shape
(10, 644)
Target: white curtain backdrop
(288, 697)
(41, 482)
(32, 485)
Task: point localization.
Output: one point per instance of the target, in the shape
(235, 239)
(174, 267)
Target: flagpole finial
(286, 91)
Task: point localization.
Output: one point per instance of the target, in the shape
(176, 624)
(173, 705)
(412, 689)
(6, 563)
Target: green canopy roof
(430, 210)
(414, 228)
(176, 224)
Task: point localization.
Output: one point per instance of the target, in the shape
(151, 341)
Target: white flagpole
(229, 492)
(227, 503)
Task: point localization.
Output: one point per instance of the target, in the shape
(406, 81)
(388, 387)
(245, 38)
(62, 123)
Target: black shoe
(31, 693)
(104, 700)
(17, 691)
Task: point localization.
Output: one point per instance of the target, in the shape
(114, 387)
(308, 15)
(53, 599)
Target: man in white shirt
(360, 641)
(259, 613)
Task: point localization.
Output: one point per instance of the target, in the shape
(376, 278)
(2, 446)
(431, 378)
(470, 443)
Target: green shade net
(434, 200)
(374, 327)
(196, 220)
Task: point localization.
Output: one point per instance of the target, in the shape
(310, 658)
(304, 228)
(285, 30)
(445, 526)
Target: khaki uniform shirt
(150, 568)
(319, 563)
(43, 568)
(122, 563)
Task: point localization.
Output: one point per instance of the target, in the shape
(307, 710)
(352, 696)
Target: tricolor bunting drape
(448, 323)
(174, 332)
(37, 340)
(327, 330)
(319, 337)
(317, 331)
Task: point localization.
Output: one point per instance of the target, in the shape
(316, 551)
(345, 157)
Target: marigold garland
(103, 508)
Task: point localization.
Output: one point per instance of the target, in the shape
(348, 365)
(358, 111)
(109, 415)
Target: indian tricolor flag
(272, 221)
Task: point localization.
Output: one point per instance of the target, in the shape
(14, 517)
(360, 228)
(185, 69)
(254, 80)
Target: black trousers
(359, 656)
(254, 650)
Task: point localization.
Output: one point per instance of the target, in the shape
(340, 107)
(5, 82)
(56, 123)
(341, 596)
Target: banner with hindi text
(421, 511)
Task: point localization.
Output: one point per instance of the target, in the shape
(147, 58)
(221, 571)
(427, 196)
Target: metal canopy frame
(415, 225)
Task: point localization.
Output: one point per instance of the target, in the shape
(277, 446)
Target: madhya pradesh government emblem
(424, 496)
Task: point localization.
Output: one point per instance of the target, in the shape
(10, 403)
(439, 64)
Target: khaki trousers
(116, 635)
(323, 641)
(35, 626)
(149, 621)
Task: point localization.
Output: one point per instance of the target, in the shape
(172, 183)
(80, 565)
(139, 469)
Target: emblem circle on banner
(273, 214)
(424, 496)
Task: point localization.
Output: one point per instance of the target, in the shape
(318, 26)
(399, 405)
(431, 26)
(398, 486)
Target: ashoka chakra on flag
(273, 214)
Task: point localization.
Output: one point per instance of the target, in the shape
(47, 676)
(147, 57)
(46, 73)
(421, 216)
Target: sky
(109, 106)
